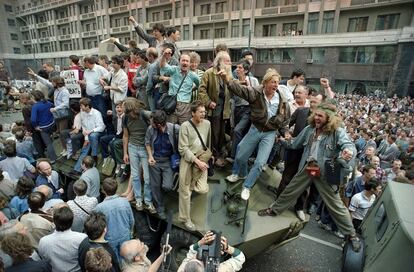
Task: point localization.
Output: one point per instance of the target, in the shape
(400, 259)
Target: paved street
(314, 250)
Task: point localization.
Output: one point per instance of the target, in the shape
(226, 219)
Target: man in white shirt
(297, 78)
(361, 202)
(92, 128)
(73, 137)
(117, 81)
(300, 99)
(93, 84)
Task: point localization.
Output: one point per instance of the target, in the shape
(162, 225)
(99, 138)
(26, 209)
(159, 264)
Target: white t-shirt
(360, 205)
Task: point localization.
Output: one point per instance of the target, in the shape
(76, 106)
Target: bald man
(48, 176)
(134, 253)
(48, 193)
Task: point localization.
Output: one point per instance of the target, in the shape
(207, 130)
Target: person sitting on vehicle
(134, 254)
(361, 202)
(92, 128)
(192, 263)
(92, 178)
(48, 176)
(73, 137)
(161, 142)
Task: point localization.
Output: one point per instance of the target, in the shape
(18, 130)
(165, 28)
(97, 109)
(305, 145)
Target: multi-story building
(358, 44)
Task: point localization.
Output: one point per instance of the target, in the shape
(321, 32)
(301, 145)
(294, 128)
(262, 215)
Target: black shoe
(124, 177)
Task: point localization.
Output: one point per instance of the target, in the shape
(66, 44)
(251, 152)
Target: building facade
(358, 44)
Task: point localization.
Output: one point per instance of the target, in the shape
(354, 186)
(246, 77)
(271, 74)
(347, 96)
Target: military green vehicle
(221, 209)
(387, 234)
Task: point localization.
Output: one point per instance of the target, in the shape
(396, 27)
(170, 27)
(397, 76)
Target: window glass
(381, 222)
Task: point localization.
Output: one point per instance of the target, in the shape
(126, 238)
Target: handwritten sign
(71, 78)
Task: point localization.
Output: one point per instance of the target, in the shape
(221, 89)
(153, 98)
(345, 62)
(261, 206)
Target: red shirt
(132, 72)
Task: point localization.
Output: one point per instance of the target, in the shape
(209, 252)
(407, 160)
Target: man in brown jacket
(215, 96)
(269, 113)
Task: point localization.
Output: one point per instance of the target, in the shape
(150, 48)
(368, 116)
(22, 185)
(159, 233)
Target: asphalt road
(314, 250)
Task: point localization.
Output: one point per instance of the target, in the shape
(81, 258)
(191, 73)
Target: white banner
(71, 81)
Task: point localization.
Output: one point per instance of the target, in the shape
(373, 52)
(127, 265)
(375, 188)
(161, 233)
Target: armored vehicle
(221, 209)
(387, 234)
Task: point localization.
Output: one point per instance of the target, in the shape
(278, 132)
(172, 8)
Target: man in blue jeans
(269, 113)
(92, 128)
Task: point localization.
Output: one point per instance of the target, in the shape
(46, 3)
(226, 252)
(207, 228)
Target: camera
(210, 254)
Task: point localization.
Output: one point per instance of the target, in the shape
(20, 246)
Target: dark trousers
(38, 143)
(242, 125)
(46, 135)
(161, 176)
(105, 141)
(291, 168)
(77, 139)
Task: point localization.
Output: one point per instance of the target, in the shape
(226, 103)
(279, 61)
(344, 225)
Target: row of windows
(361, 54)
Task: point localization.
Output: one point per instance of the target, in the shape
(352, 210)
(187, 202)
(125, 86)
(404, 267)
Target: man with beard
(322, 140)
(181, 84)
(215, 96)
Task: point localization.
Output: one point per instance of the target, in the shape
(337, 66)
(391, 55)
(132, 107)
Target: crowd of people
(150, 113)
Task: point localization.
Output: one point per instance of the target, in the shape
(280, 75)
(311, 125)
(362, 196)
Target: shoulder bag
(175, 157)
(168, 102)
(333, 168)
(205, 148)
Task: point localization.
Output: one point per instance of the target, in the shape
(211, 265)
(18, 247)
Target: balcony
(64, 37)
(213, 17)
(120, 29)
(88, 34)
(279, 10)
(166, 23)
(118, 9)
(26, 42)
(24, 28)
(44, 40)
(361, 2)
(62, 21)
(152, 3)
(41, 25)
(86, 16)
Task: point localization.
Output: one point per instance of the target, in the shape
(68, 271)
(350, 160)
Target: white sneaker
(301, 215)
(64, 153)
(234, 178)
(245, 194)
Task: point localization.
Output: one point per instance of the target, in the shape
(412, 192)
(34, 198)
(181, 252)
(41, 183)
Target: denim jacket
(152, 134)
(119, 217)
(328, 149)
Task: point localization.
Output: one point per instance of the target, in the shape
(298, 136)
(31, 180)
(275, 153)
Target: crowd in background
(148, 114)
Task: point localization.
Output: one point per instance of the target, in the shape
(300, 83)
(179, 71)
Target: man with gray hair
(82, 205)
(214, 94)
(134, 253)
(48, 193)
